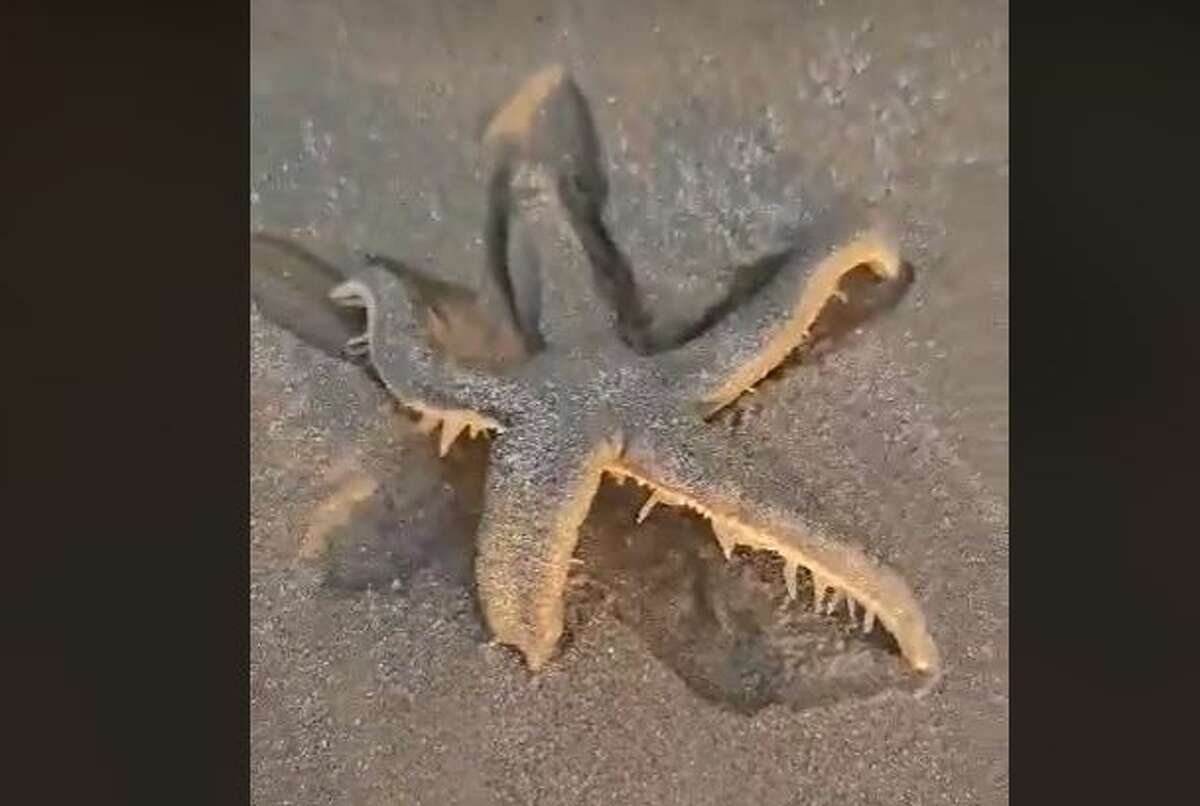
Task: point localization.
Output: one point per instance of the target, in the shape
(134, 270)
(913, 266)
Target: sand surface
(686, 679)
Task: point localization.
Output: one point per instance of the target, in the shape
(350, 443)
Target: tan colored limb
(755, 336)
(540, 486)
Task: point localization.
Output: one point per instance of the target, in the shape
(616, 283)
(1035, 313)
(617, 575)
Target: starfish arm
(540, 485)
(509, 282)
(587, 288)
(758, 330)
(457, 321)
(546, 231)
(410, 365)
(682, 466)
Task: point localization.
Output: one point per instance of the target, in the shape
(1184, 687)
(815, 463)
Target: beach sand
(684, 678)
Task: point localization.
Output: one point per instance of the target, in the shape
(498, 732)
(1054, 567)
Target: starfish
(586, 392)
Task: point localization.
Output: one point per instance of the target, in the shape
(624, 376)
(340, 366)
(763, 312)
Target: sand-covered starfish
(587, 391)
